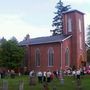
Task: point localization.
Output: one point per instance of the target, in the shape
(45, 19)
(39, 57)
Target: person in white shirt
(31, 73)
(48, 76)
(74, 73)
(39, 75)
(78, 72)
(44, 76)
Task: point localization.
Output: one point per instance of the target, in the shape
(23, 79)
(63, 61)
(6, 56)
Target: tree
(88, 35)
(88, 56)
(11, 55)
(58, 19)
(27, 37)
(2, 40)
(14, 39)
(88, 43)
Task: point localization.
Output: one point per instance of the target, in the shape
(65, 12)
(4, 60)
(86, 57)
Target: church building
(59, 51)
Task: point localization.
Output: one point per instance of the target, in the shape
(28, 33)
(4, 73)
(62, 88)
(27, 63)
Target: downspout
(28, 57)
(61, 68)
(61, 63)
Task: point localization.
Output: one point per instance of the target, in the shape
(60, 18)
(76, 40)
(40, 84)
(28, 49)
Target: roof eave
(67, 38)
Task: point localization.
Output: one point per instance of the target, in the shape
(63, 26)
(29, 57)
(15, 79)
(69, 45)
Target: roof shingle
(43, 40)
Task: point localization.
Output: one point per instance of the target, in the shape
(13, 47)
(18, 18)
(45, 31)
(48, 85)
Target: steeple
(74, 25)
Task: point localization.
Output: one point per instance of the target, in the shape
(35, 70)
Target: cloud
(87, 19)
(16, 25)
(79, 2)
(13, 25)
(87, 22)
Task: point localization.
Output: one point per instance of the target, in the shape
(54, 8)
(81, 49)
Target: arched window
(80, 29)
(80, 42)
(50, 57)
(69, 25)
(67, 57)
(37, 57)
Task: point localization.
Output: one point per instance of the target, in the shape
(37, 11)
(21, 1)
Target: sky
(33, 17)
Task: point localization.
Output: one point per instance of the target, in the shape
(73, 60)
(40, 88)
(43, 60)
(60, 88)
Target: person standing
(78, 72)
(32, 78)
(44, 76)
(48, 76)
(39, 75)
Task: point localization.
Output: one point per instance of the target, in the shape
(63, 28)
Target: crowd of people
(76, 73)
(47, 76)
(42, 76)
(8, 73)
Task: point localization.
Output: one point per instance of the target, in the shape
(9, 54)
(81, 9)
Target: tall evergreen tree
(58, 19)
(88, 35)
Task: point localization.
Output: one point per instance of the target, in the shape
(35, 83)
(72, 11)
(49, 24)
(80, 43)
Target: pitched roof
(73, 10)
(43, 40)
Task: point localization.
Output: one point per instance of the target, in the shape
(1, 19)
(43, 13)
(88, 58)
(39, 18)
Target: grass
(69, 83)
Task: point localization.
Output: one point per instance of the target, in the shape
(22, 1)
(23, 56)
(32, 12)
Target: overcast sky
(34, 17)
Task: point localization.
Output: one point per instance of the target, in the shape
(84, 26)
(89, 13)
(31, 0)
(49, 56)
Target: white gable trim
(66, 38)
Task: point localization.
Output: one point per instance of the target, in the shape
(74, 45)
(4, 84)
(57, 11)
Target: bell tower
(74, 25)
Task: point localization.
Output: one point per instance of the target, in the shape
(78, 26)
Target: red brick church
(59, 51)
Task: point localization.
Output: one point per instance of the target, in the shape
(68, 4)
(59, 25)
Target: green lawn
(69, 83)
